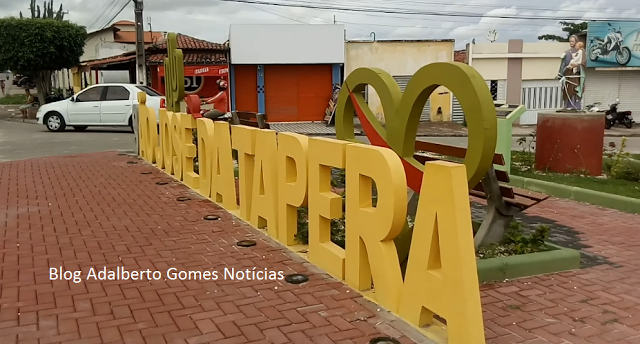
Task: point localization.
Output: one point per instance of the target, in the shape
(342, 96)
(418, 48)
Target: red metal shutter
(246, 87)
(297, 93)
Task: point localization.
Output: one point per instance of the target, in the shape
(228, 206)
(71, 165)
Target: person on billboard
(219, 101)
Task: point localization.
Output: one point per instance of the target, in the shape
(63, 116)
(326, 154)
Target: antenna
(149, 23)
(492, 36)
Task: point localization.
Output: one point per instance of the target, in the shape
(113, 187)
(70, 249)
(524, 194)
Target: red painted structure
(570, 142)
(204, 75)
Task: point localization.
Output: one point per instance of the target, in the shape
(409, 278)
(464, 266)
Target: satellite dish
(492, 36)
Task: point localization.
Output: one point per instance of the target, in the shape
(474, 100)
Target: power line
(310, 5)
(100, 13)
(124, 5)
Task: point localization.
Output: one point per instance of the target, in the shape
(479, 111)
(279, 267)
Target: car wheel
(80, 128)
(54, 122)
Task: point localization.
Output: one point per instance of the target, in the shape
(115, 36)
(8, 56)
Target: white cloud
(208, 19)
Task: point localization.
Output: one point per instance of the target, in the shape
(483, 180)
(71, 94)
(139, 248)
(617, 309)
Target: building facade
(286, 72)
(615, 74)
(114, 40)
(521, 73)
(402, 59)
(205, 63)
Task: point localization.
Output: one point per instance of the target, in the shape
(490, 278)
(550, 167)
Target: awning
(213, 70)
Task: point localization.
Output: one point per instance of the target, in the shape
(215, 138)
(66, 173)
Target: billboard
(613, 44)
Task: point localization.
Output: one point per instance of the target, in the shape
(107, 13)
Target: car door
(116, 107)
(84, 108)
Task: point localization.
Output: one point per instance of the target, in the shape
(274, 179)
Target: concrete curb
(626, 204)
(527, 265)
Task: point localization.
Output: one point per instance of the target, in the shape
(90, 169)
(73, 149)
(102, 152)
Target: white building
(114, 40)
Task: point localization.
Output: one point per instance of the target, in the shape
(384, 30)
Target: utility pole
(141, 64)
(141, 76)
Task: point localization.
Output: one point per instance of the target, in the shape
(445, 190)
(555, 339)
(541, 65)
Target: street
(26, 140)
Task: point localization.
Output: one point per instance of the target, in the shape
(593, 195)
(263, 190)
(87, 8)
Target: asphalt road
(25, 140)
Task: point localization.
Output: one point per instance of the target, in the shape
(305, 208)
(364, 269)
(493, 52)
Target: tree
(568, 27)
(47, 11)
(40, 46)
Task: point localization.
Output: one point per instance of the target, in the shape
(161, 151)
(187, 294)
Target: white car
(97, 105)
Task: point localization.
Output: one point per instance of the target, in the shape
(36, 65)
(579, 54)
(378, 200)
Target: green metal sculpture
(174, 74)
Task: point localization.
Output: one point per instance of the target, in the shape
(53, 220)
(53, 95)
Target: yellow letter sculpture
(370, 230)
(143, 130)
(166, 141)
(176, 138)
(223, 181)
(324, 205)
(292, 183)
(244, 141)
(189, 151)
(264, 199)
(206, 155)
(441, 274)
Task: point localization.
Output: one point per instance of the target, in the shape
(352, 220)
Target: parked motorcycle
(53, 97)
(593, 107)
(612, 43)
(613, 115)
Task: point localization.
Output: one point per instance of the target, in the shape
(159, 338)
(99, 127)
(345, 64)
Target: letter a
(442, 275)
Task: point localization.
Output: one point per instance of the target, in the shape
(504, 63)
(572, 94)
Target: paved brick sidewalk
(71, 211)
(96, 210)
(595, 305)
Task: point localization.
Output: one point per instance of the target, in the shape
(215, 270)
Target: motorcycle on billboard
(612, 43)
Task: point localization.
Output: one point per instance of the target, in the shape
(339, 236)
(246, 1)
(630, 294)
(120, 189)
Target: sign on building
(613, 44)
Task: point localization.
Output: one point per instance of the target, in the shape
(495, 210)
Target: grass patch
(13, 99)
(611, 186)
(620, 175)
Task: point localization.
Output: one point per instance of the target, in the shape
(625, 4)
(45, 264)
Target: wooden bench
(503, 201)
(251, 119)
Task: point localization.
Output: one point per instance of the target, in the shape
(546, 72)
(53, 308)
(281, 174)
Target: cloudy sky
(467, 19)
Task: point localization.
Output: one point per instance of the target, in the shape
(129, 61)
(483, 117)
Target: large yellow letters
(188, 150)
(165, 141)
(324, 204)
(206, 155)
(370, 230)
(441, 276)
(292, 183)
(244, 141)
(176, 138)
(223, 182)
(264, 199)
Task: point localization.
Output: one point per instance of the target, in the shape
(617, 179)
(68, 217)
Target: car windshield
(149, 91)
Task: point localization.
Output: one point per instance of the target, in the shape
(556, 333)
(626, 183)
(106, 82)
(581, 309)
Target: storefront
(285, 71)
(200, 80)
(615, 74)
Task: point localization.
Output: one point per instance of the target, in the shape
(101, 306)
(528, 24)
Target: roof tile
(188, 42)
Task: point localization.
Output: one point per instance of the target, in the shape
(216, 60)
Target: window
(149, 91)
(493, 87)
(117, 93)
(93, 94)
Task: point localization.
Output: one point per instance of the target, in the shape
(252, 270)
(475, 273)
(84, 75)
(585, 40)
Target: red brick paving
(96, 210)
(595, 305)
